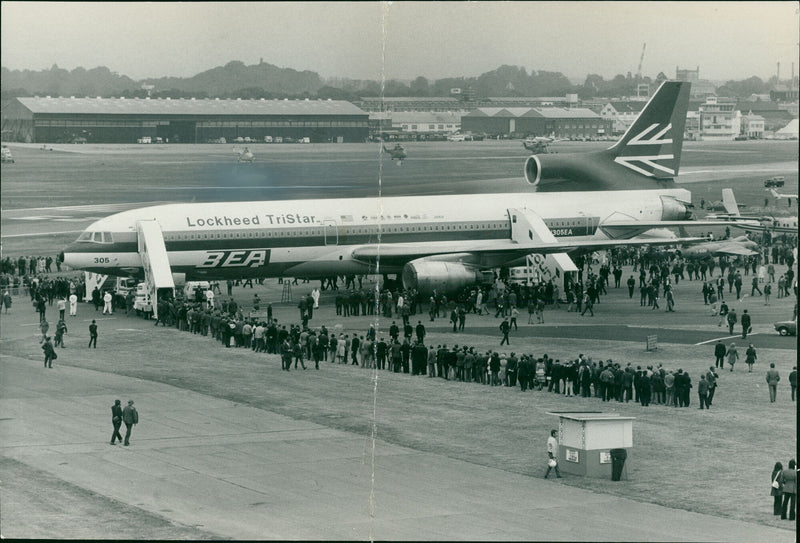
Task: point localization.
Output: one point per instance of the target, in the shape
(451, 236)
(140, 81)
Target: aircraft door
(591, 225)
(331, 232)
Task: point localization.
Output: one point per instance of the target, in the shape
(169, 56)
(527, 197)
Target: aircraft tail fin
(652, 144)
(729, 202)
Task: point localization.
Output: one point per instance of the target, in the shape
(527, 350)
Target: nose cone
(68, 256)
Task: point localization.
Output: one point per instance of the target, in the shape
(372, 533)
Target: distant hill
(223, 81)
(56, 81)
(235, 76)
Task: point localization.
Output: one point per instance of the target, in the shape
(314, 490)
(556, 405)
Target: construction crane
(641, 59)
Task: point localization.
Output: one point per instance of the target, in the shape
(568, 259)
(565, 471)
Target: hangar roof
(409, 98)
(138, 106)
(547, 112)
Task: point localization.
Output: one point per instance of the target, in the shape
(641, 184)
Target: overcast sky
(727, 40)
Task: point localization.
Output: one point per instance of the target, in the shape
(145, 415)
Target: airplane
(740, 246)
(650, 150)
(538, 144)
(432, 242)
(535, 146)
(777, 195)
(752, 222)
(719, 206)
(397, 152)
(245, 155)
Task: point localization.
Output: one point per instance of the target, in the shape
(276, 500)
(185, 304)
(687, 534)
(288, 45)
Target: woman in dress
(733, 355)
(750, 358)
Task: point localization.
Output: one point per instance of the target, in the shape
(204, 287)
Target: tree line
(264, 80)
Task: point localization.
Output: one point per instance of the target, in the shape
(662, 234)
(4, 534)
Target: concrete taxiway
(233, 471)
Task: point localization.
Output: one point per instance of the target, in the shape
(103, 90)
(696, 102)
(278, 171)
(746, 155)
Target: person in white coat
(315, 296)
(210, 298)
(107, 303)
(73, 304)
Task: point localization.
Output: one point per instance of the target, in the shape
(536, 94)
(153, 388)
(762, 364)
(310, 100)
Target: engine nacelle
(586, 171)
(445, 277)
(541, 170)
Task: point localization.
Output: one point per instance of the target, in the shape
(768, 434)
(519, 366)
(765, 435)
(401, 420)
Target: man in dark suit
(746, 322)
(772, 382)
(420, 332)
(354, 350)
(93, 335)
(116, 420)
(719, 354)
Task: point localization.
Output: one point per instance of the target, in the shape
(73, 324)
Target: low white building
(752, 126)
(423, 122)
(622, 114)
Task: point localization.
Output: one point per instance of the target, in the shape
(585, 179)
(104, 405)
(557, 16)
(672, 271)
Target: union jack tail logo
(652, 144)
(647, 164)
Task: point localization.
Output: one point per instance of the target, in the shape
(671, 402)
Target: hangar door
(178, 131)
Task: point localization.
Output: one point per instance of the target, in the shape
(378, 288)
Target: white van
(191, 287)
(142, 301)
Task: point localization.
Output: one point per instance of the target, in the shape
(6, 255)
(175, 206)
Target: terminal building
(120, 120)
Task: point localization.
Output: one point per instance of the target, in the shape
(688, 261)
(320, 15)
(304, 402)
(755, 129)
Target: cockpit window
(96, 237)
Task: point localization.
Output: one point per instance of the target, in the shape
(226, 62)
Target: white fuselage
(322, 237)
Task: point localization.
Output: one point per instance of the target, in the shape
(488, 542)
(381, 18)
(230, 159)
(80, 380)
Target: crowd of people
(29, 265)
(406, 351)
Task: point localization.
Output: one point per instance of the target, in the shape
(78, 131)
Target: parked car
(776, 181)
(786, 328)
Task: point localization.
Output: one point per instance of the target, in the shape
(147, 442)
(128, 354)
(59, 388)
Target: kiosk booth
(595, 444)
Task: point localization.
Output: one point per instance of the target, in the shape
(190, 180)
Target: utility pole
(641, 59)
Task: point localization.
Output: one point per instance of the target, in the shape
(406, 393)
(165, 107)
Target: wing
(627, 229)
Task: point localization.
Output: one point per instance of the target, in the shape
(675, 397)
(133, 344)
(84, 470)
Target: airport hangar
(127, 120)
(573, 123)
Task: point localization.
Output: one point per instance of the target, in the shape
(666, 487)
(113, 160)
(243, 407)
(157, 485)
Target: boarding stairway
(155, 262)
(527, 227)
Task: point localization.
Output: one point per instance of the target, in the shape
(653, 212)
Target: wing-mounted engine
(443, 275)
